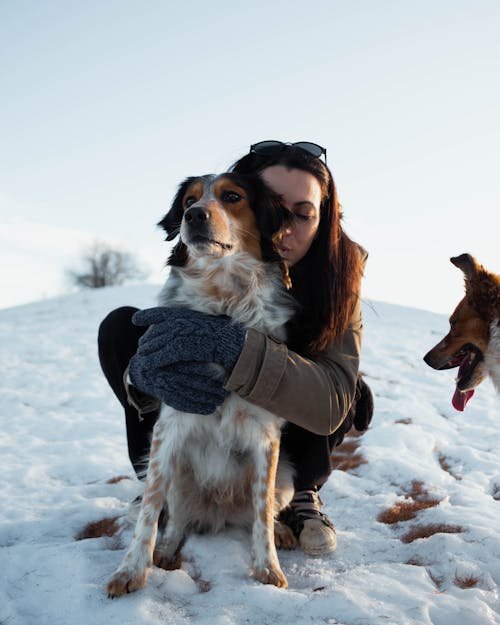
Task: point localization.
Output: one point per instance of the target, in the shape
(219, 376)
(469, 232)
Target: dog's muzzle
(200, 230)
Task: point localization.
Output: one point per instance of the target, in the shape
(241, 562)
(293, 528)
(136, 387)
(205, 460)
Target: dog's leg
(136, 565)
(167, 553)
(284, 537)
(266, 567)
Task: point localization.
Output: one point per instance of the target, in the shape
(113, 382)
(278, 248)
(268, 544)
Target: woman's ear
(171, 222)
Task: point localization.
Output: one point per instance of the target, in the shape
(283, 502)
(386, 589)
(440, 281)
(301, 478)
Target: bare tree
(104, 266)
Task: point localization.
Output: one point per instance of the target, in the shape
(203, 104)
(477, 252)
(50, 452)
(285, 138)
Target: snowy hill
(62, 443)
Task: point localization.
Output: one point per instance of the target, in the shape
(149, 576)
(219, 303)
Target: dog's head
(467, 342)
(218, 215)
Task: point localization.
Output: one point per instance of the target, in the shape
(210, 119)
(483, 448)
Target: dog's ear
(272, 217)
(171, 222)
(467, 263)
(482, 288)
(178, 256)
(270, 213)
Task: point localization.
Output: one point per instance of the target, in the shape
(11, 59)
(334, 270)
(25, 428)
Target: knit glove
(186, 386)
(175, 355)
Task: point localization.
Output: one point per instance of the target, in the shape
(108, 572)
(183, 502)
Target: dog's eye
(189, 200)
(231, 196)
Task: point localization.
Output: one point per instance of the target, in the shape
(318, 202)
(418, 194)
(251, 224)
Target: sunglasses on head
(271, 148)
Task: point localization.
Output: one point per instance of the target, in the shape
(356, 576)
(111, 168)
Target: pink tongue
(460, 398)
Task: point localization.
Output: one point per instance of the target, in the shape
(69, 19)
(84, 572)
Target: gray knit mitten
(175, 355)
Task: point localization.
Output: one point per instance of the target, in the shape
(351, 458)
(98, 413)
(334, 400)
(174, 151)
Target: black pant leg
(117, 342)
(310, 455)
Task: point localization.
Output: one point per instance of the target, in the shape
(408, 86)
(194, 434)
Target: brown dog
(473, 343)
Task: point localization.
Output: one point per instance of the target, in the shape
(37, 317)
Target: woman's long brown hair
(327, 281)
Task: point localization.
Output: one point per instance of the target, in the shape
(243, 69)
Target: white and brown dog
(473, 343)
(222, 468)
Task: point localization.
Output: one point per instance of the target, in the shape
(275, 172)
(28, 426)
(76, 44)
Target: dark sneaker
(314, 530)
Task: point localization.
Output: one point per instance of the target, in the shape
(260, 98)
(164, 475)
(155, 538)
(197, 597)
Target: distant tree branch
(102, 265)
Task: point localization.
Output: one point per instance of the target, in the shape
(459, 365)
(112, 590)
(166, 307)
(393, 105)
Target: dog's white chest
(218, 447)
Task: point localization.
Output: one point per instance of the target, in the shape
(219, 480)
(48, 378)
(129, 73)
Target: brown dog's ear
(272, 217)
(467, 263)
(171, 223)
(179, 255)
(270, 214)
(482, 288)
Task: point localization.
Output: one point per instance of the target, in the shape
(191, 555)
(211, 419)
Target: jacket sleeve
(314, 394)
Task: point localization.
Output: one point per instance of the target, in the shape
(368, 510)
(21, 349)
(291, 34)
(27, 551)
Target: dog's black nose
(197, 215)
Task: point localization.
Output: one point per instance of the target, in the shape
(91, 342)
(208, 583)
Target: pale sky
(107, 106)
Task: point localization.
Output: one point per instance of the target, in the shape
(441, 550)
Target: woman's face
(301, 194)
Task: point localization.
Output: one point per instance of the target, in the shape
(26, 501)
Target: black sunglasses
(271, 148)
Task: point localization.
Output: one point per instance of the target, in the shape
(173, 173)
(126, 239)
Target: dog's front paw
(270, 574)
(124, 581)
(284, 538)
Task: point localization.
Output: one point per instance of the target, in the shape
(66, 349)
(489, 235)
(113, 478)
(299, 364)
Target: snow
(62, 440)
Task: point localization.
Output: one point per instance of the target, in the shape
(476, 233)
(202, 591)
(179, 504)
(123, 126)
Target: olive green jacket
(314, 394)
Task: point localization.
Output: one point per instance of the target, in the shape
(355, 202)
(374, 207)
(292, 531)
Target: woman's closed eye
(302, 216)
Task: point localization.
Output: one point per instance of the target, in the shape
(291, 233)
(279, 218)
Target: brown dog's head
(466, 343)
(225, 214)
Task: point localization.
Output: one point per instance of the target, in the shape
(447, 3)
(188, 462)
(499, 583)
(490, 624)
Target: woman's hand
(175, 356)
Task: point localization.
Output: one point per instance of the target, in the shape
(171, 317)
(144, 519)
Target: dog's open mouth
(466, 360)
(200, 240)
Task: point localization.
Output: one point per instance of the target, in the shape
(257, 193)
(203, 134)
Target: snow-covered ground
(62, 441)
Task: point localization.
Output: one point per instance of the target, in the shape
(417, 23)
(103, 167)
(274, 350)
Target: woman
(312, 381)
